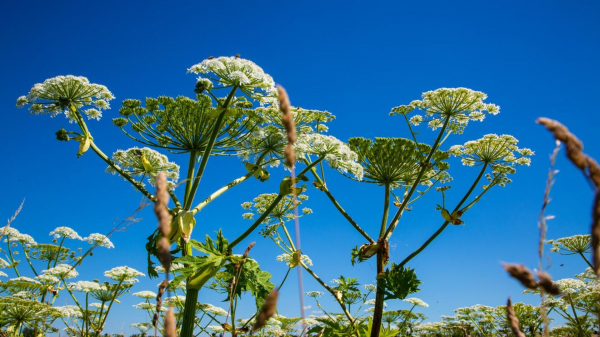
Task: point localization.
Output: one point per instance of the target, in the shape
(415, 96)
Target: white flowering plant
(30, 303)
(235, 115)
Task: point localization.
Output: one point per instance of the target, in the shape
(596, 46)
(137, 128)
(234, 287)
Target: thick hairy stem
(378, 313)
(189, 313)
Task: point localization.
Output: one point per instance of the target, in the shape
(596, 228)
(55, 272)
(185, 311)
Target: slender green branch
(110, 305)
(424, 165)
(445, 224)
(29, 261)
(340, 209)
(257, 222)
(328, 288)
(586, 260)
(124, 174)
(225, 188)
(386, 210)
(190, 175)
(12, 259)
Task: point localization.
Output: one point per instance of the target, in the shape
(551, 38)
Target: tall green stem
(211, 142)
(378, 312)
(190, 176)
(12, 259)
(445, 224)
(189, 313)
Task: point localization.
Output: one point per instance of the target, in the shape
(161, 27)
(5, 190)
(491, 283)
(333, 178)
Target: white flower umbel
(65, 232)
(123, 274)
(314, 294)
(99, 239)
(24, 239)
(336, 153)
(59, 94)
(213, 310)
(576, 244)
(85, 286)
(370, 287)
(145, 162)
(62, 271)
(4, 264)
(287, 258)
(454, 106)
(174, 267)
(416, 301)
(499, 152)
(47, 279)
(241, 73)
(145, 294)
(142, 327)
(3, 274)
(69, 311)
(8, 233)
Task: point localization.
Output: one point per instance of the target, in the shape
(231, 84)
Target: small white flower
(123, 274)
(85, 286)
(211, 309)
(100, 240)
(287, 258)
(65, 232)
(145, 162)
(63, 270)
(314, 294)
(416, 301)
(145, 294)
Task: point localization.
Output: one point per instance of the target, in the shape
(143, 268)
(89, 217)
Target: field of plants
(187, 154)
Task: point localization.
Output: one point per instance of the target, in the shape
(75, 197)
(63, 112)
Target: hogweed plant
(235, 113)
(29, 303)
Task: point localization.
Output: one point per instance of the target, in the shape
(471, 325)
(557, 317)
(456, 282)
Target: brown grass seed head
(267, 311)
(522, 274)
(513, 321)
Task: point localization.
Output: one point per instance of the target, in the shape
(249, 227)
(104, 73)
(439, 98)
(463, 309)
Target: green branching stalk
(211, 142)
(413, 188)
(29, 261)
(190, 175)
(110, 305)
(445, 224)
(257, 222)
(12, 260)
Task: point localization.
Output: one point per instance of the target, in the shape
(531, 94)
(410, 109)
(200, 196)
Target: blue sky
(356, 60)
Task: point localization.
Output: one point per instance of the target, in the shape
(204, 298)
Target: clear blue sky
(535, 58)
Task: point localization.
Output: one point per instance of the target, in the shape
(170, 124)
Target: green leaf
(151, 249)
(398, 282)
(220, 248)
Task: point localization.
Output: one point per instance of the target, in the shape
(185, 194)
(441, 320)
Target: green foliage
(398, 282)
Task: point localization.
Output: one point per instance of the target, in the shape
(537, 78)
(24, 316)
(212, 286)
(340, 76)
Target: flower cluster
(145, 294)
(64, 94)
(453, 107)
(397, 162)
(241, 73)
(337, 154)
(314, 294)
(499, 152)
(576, 244)
(416, 301)
(145, 162)
(65, 232)
(99, 240)
(287, 258)
(123, 274)
(63, 271)
(86, 286)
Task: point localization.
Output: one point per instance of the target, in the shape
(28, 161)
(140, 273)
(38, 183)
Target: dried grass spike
(513, 321)
(164, 220)
(545, 281)
(522, 274)
(161, 291)
(596, 233)
(287, 119)
(574, 148)
(169, 324)
(267, 311)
